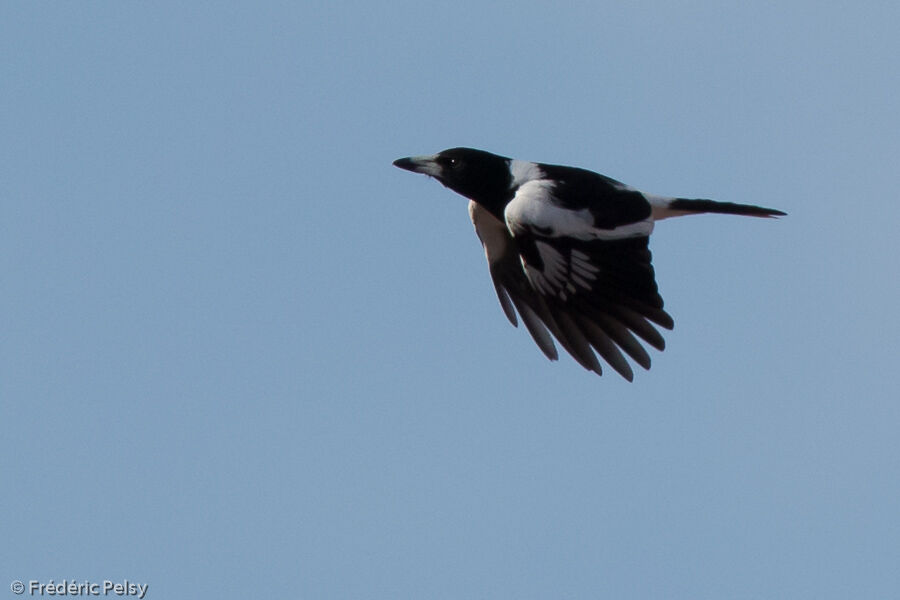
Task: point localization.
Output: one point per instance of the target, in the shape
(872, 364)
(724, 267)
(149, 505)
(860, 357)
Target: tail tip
(729, 208)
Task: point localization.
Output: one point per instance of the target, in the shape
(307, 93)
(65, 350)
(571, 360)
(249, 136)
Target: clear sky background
(244, 356)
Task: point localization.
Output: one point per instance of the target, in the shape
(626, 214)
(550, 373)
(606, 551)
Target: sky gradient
(242, 355)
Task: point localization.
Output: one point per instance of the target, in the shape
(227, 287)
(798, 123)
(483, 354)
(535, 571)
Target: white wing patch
(552, 277)
(560, 276)
(583, 272)
(533, 207)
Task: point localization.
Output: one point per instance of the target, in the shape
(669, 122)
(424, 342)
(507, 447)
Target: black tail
(727, 208)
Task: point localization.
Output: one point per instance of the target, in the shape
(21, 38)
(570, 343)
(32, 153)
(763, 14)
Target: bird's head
(476, 174)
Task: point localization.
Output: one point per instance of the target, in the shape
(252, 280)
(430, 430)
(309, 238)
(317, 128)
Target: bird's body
(567, 250)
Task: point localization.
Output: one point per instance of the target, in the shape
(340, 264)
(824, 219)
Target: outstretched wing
(592, 289)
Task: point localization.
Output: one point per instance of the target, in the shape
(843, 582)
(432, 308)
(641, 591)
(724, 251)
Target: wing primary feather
(543, 312)
(537, 329)
(606, 348)
(581, 348)
(625, 340)
(611, 297)
(639, 325)
(551, 320)
(662, 318)
(505, 303)
(654, 313)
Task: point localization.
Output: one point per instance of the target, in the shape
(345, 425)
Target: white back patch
(533, 207)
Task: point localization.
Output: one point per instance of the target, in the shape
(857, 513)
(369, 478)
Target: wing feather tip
(665, 321)
(506, 303)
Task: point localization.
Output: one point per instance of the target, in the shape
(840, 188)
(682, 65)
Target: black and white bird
(567, 249)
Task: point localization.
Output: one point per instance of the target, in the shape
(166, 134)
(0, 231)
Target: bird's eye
(455, 163)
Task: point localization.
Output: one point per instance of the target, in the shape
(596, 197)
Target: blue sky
(241, 355)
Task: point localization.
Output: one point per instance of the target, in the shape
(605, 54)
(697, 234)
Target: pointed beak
(419, 164)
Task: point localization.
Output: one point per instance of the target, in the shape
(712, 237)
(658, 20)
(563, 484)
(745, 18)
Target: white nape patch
(533, 208)
(523, 171)
(491, 231)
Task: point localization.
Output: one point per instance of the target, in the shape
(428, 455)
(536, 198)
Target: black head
(476, 174)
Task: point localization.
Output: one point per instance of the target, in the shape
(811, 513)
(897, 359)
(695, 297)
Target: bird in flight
(567, 249)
